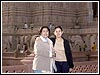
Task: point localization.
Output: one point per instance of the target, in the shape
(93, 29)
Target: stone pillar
(14, 40)
(90, 11)
(87, 40)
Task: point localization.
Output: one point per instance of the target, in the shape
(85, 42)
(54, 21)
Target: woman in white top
(42, 62)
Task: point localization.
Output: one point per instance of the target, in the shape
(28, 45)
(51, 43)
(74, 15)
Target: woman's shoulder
(66, 40)
(37, 39)
(52, 38)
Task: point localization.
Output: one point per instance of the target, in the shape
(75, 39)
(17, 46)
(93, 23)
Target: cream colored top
(59, 49)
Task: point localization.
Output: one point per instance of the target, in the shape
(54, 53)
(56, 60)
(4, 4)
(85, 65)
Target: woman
(63, 59)
(42, 62)
(94, 47)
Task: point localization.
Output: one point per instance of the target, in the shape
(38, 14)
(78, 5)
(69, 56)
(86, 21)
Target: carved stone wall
(43, 13)
(36, 14)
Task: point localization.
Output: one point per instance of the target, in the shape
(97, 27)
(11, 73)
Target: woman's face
(58, 33)
(45, 32)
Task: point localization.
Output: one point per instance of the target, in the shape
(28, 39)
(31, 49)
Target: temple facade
(79, 21)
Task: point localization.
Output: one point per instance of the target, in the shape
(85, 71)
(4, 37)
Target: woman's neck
(59, 38)
(44, 37)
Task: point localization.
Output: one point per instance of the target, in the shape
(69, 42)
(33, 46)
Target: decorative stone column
(88, 41)
(90, 11)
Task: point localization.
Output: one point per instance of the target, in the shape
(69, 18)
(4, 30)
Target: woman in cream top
(63, 59)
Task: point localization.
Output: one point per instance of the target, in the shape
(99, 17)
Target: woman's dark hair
(40, 31)
(58, 27)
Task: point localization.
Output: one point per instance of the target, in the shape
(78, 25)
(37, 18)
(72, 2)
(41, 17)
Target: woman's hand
(53, 54)
(70, 70)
